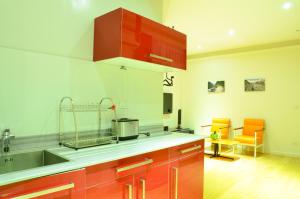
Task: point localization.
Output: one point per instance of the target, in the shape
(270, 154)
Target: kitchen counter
(96, 155)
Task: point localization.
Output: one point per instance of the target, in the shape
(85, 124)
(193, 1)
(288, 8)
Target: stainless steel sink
(23, 161)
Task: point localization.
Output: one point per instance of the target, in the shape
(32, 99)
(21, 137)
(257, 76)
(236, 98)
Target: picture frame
(256, 84)
(216, 86)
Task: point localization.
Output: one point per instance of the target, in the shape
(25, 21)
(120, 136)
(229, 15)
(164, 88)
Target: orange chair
(252, 134)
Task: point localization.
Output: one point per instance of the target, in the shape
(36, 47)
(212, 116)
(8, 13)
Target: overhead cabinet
(125, 38)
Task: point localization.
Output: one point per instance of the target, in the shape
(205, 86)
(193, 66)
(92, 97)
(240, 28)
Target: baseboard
(288, 154)
(259, 150)
(279, 153)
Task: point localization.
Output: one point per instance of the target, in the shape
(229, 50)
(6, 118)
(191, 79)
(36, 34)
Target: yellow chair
(252, 134)
(221, 126)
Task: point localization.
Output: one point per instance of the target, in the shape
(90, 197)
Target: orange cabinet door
(121, 188)
(69, 185)
(153, 184)
(186, 177)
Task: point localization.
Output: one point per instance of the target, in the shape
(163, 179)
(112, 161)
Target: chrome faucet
(6, 137)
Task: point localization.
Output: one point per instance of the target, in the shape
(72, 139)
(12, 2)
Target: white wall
(279, 105)
(61, 27)
(46, 53)
(177, 89)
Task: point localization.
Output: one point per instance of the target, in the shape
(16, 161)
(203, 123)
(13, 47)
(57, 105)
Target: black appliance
(178, 128)
(168, 103)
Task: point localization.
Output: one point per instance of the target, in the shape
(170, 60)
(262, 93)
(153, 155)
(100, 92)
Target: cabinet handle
(45, 192)
(176, 182)
(133, 166)
(143, 188)
(183, 151)
(160, 57)
(130, 191)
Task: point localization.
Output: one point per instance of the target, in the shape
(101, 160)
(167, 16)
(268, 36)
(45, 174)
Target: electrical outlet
(123, 105)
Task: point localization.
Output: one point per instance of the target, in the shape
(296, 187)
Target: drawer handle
(133, 166)
(130, 191)
(183, 151)
(143, 188)
(160, 57)
(176, 183)
(45, 192)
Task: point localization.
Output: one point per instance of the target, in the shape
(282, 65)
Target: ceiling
(218, 25)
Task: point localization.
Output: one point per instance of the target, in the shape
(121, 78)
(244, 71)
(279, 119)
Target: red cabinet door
(115, 179)
(186, 177)
(147, 40)
(153, 184)
(122, 33)
(69, 185)
(121, 188)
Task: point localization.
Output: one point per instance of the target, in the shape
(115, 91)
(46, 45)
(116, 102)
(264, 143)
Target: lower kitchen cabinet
(149, 184)
(69, 185)
(176, 174)
(121, 188)
(153, 183)
(186, 176)
(173, 173)
(138, 177)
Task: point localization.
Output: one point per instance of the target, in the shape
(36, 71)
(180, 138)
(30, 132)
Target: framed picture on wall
(257, 84)
(216, 87)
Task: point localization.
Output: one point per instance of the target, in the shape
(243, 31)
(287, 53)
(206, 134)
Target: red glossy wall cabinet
(69, 185)
(126, 38)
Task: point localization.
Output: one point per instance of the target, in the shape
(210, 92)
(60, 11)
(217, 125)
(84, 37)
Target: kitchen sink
(23, 161)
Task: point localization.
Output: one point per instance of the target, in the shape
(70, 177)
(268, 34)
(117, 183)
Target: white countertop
(96, 155)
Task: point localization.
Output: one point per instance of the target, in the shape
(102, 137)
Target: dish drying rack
(83, 139)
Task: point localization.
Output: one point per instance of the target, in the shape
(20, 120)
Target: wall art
(216, 87)
(168, 81)
(257, 84)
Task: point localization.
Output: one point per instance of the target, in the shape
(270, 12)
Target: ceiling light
(199, 47)
(231, 32)
(287, 5)
(79, 3)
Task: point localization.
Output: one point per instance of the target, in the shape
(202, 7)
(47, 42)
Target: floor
(267, 176)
